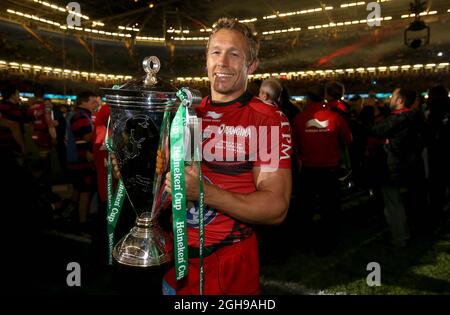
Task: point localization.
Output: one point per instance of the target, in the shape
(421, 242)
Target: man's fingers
(168, 183)
(115, 165)
(113, 159)
(117, 171)
(167, 186)
(192, 169)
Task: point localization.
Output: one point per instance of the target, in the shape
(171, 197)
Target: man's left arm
(389, 126)
(267, 205)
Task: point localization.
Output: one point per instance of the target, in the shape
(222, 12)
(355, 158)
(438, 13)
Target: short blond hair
(246, 30)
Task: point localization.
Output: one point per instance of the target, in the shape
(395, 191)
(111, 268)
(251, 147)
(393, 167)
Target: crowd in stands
(70, 52)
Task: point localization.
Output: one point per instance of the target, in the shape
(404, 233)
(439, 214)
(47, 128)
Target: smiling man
(239, 192)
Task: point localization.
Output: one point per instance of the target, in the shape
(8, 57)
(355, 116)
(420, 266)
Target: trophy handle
(162, 166)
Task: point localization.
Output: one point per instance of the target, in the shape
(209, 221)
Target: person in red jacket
(99, 150)
(44, 132)
(100, 155)
(11, 128)
(318, 133)
(334, 94)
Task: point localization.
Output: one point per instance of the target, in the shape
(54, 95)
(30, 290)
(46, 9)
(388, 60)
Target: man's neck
(399, 107)
(223, 98)
(84, 107)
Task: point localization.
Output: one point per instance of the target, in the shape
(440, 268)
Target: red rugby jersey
(251, 133)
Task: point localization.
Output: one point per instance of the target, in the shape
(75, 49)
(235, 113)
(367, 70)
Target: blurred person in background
(402, 186)
(270, 91)
(80, 128)
(318, 132)
(438, 153)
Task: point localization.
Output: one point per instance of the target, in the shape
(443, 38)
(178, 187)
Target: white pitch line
(296, 288)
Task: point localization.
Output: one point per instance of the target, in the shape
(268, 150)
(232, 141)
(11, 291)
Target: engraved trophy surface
(141, 112)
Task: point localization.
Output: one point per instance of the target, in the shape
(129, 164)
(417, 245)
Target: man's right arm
(388, 126)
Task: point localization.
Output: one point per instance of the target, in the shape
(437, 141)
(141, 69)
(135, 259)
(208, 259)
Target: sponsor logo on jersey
(213, 115)
(317, 123)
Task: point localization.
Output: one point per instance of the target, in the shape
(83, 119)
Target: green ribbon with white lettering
(201, 227)
(179, 192)
(183, 95)
(114, 204)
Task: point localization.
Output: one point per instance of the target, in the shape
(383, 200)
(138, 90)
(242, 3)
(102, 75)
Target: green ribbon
(179, 192)
(114, 204)
(183, 96)
(201, 227)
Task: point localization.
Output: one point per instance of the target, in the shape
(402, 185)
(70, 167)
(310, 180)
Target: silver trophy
(141, 113)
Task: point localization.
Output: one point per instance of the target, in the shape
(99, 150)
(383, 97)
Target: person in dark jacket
(438, 122)
(11, 127)
(403, 145)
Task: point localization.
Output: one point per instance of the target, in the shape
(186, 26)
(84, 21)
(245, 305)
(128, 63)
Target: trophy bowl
(141, 112)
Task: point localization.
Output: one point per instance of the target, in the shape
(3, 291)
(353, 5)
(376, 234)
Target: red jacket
(99, 152)
(318, 132)
(339, 105)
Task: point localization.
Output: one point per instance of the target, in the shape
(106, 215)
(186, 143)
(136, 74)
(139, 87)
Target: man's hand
(191, 182)
(115, 167)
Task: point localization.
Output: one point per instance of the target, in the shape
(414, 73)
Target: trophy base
(144, 246)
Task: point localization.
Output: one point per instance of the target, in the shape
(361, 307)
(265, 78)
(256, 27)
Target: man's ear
(253, 66)
(263, 95)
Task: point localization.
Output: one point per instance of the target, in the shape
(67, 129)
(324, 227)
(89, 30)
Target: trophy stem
(144, 222)
(143, 246)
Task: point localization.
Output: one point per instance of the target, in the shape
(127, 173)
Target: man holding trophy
(238, 192)
(244, 176)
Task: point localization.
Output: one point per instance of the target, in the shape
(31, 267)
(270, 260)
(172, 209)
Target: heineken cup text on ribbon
(178, 192)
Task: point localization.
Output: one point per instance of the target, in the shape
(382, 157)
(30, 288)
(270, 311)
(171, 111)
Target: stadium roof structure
(190, 20)
(114, 36)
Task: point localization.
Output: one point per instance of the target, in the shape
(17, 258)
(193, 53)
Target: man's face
(395, 100)
(15, 98)
(226, 61)
(263, 94)
(92, 104)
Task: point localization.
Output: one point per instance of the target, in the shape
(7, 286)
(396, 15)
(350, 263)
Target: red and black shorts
(230, 270)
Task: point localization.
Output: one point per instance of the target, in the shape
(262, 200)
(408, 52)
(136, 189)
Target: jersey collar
(243, 100)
